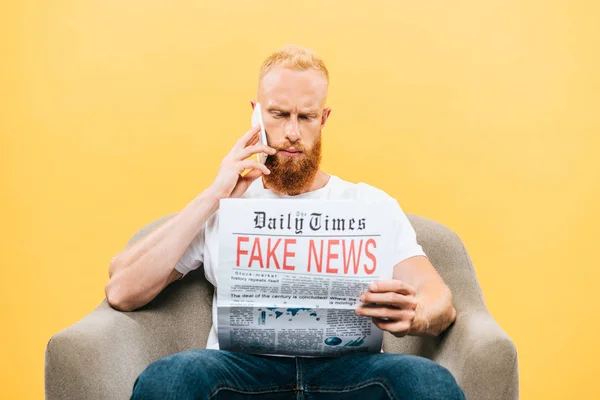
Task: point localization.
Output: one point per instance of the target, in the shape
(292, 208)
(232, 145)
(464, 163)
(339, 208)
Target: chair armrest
(100, 356)
(481, 356)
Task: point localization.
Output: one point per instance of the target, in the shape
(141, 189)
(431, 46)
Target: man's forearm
(435, 312)
(142, 271)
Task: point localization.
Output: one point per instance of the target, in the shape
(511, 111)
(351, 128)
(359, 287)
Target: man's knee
(181, 375)
(418, 377)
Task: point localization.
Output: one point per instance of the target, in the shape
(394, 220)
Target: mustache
(287, 145)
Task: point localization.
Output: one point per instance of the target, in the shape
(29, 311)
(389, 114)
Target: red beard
(292, 175)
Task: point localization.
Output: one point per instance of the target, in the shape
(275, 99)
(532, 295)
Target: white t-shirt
(204, 248)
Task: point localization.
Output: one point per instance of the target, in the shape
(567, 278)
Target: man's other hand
(392, 306)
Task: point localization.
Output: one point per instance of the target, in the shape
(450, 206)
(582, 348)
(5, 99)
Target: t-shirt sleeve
(406, 245)
(406, 240)
(193, 256)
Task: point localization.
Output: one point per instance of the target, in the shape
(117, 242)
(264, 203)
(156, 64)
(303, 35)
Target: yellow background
(480, 115)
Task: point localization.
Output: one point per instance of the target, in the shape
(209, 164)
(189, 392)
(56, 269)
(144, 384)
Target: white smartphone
(257, 119)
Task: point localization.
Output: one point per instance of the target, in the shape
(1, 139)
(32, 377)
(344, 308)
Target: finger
(246, 181)
(390, 298)
(398, 328)
(392, 313)
(252, 175)
(251, 164)
(247, 138)
(253, 140)
(392, 285)
(257, 148)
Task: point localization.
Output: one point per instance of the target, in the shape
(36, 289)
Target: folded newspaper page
(291, 273)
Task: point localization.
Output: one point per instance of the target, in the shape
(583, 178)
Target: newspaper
(291, 273)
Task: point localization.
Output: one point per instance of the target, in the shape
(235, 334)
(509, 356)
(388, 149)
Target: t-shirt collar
(312, 194)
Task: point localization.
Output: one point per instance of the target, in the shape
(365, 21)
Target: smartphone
(257, 119)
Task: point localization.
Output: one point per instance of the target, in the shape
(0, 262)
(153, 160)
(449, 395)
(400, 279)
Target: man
(292, 90)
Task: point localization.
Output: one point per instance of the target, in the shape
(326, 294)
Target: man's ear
(326, 113)
(253, 103)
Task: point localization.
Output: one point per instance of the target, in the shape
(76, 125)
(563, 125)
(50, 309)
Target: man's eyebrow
(282, 110)
(275, 108)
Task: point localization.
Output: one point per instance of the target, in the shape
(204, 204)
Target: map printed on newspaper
(291, 273)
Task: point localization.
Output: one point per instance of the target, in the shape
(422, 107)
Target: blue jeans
(219, 374)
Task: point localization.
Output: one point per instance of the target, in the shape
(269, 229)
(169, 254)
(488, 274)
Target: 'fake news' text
(326, 256)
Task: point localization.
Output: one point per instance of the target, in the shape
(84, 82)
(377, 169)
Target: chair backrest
(443, 247)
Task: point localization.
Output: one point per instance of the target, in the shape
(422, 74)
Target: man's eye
(304, 117)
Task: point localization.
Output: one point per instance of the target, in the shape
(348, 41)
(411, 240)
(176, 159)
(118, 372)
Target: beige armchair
(100, 356)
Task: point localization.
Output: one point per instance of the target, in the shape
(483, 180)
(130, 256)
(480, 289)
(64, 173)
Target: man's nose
(292, 130)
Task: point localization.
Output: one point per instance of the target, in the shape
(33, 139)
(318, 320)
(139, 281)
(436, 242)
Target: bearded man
(292, 91)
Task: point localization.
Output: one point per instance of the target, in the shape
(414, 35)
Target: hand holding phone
(230, 180)
(257, 119)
